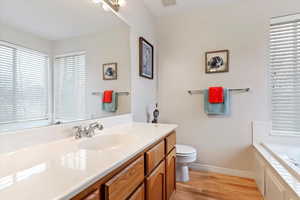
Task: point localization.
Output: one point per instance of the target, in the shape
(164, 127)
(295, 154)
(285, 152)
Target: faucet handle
(78, 133)
(78, 128)
(100, 127)
(96, 125)
(93, 125)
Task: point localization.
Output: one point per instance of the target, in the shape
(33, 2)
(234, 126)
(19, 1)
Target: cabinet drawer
(124, 183)
(93, 196)
(139, 194)
(170, 142)
(154, 156)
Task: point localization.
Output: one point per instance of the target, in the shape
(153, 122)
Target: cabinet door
(139, 194)
(155, 184)
(170, 142)
(170, 174)
(154, 156)
(274, 189)
(93, 196)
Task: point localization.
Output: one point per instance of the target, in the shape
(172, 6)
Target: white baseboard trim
(221, 170)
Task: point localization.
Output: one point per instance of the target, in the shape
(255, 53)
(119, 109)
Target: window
(285, 74)
(70, 87)
(23, 85)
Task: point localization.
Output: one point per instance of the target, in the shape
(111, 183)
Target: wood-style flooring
(212, 186)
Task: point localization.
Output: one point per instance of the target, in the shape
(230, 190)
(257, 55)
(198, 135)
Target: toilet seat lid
(184, 149)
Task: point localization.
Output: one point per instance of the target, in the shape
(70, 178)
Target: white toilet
(184, 156)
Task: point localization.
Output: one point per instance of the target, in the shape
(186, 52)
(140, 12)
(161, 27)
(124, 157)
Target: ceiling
(157, 9)
(57, 19)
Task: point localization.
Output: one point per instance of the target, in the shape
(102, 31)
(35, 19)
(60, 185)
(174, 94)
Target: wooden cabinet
(170, 174)
(93, 196)
(139, 194)
(170, 142)
(154, 156)
(155, 184)
(123, 184)
(150, 175)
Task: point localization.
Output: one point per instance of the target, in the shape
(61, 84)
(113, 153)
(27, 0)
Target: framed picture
(217, 61)
(110, 71)
(146, 59)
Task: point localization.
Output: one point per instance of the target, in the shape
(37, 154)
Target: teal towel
(113, 106)
(219, 108)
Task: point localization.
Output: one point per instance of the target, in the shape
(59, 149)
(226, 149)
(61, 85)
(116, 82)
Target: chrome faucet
(80, 131)
(92, 128)
(87, 132)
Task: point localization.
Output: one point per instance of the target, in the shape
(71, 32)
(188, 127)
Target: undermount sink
(108, 141)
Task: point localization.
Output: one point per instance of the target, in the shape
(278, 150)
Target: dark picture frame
(217, 61)
(146, 59)
(112, 74)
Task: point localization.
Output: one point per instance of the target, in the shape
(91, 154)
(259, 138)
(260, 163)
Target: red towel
(107, 96)
(215, 95)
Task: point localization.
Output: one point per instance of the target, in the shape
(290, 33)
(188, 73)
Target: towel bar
(119, 93)
(191, 92)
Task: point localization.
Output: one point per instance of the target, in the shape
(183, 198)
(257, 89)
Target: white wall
(242, 27)
(144, 91)
(100, 48)
(12, 35)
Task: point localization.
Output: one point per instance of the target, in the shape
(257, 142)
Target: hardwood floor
(212, 186)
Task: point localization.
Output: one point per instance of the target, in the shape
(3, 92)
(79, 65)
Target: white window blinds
(285, 74)
(70, 87)
(23, 85)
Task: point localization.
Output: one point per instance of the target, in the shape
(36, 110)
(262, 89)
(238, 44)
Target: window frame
(280, 20)
(75, 53)
(33, 123)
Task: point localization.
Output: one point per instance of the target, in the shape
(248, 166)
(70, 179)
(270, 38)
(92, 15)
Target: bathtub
(287, 155)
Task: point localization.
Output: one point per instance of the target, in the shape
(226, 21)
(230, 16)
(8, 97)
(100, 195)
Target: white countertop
(60, 170)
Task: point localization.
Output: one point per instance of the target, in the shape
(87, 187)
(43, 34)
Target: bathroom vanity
(148, 175)
(133, 161)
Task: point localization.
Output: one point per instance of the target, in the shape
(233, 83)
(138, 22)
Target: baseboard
(221, 170)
